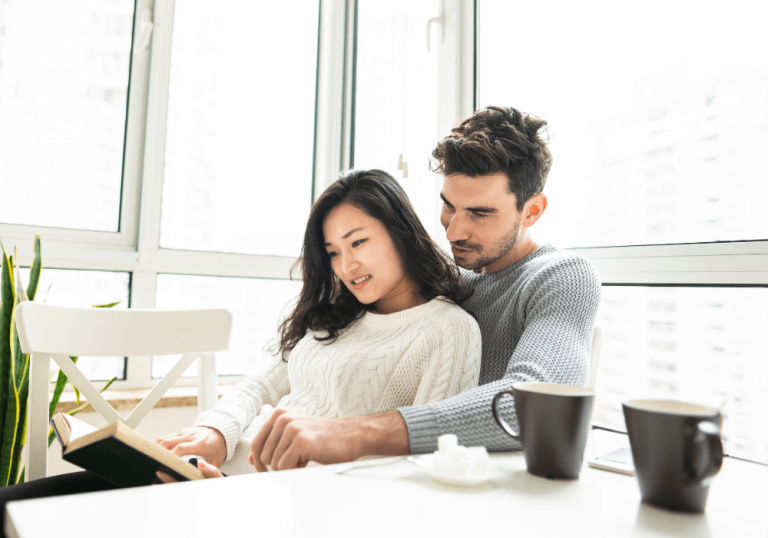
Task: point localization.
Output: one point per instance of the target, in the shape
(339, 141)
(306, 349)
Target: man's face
(481, 220)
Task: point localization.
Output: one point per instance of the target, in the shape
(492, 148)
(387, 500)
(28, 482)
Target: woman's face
(365, 259)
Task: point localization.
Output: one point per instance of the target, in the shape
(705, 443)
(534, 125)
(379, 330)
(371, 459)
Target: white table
(400, 500)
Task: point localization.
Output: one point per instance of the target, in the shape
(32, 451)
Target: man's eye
(482, 215)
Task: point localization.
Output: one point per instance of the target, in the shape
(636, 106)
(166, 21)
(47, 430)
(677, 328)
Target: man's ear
(534, 209)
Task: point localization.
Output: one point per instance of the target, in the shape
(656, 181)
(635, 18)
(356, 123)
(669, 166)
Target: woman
(376, 326)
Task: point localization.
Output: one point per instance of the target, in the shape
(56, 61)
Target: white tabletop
(400, 500)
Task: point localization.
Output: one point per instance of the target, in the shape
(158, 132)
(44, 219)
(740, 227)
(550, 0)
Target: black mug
(554, 423)
(677, 450)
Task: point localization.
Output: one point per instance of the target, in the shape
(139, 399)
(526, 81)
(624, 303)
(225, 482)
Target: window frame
(135, 247)
(736, 262)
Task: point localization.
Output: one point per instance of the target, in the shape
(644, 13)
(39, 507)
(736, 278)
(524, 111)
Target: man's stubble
(503, 247)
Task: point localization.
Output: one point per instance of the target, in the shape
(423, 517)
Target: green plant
(14, 368)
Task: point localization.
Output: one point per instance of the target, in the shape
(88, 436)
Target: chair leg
(207, 393)
(37, 441)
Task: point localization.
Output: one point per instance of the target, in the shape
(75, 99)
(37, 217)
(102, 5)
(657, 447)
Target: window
(240, 134)
(395, 114)
(654, 109)
(63, 96)
(257, 306)
(85, 289)
(163, 158)
(655, 115)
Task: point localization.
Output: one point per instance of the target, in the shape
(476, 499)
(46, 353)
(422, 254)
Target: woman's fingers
(186, 449)
(170, 441)
(165, 478)
(208, 470)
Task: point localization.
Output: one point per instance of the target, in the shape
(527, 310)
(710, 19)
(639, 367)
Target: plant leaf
(105, 387)
(34, 270)
(75, 411)
(9, 430)
(107, 305)
(61, 382)
(7, 396)
(85, 404)
(21, 368)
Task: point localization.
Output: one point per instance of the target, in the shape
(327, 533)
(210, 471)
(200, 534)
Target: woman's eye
(332, 254)
(358, 243)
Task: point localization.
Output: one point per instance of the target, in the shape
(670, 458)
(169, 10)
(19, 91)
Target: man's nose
(457, 229)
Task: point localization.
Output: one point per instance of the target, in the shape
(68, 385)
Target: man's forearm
(384, 434)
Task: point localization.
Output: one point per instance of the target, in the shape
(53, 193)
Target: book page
(78, 428)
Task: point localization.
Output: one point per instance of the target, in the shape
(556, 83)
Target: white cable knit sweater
(379, 363)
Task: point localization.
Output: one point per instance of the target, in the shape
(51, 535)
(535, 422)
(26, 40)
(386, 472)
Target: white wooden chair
(53, 332)
(594, 357)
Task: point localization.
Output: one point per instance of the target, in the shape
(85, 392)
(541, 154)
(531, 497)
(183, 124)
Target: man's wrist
(384, 434)
(421, 427)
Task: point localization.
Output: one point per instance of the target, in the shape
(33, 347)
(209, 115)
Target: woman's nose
(349, 264)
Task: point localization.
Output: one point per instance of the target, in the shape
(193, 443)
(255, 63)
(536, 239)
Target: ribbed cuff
(422, 428)
(228, 428)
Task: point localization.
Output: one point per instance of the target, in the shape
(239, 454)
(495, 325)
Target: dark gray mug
(677, 450)
(554, 423)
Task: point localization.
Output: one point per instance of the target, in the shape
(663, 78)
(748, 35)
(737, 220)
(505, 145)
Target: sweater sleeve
(554, 348)
(239, 406)
(455, 351)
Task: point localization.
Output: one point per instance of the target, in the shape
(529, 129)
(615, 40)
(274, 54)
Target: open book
(117, 453)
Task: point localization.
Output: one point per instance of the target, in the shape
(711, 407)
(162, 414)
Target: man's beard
(505, 244)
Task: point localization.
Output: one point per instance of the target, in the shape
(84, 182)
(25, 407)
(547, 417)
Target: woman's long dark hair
(325, 305)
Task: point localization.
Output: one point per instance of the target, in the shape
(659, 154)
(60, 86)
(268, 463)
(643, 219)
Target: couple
(382, 353)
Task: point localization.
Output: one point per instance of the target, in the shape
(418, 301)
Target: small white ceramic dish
(464, 480)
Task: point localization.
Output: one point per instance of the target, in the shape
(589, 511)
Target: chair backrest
(79, 332)
(52, 332)
(594, 356)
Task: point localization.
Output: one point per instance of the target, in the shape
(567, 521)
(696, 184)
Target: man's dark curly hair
(498, 139)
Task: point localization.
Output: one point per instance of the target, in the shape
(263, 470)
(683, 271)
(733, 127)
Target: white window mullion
(154, 152)
(744, 262)
(135, 127)
(334, 91)
(144, 277)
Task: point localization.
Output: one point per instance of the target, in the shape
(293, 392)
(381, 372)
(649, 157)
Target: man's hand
(200, 441)
(208, 470)
(291, 440)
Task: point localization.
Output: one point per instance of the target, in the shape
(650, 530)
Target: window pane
(395, 105)
(256, 305)
(705, 345)
(658, 114)
(63, 94)
(82, 289)
(241, 118)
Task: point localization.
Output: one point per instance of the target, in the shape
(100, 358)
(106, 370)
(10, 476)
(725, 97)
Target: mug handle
(497, 415)
(707, 434)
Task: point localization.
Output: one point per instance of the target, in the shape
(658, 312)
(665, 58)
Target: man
(535, 305)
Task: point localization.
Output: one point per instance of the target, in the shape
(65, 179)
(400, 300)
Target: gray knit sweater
(536, 318)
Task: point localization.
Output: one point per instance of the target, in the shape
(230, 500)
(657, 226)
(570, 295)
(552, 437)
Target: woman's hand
(208, 470)
(208, 443)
